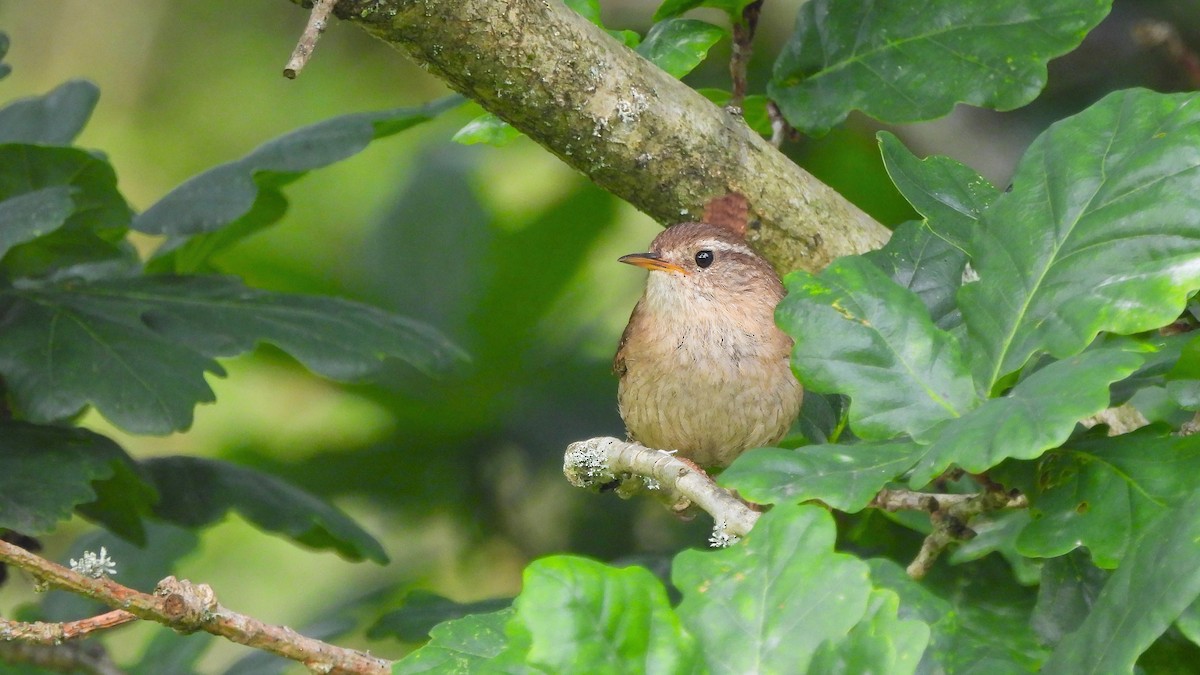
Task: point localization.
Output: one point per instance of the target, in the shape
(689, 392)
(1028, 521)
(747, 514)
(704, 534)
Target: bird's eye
(704, 258)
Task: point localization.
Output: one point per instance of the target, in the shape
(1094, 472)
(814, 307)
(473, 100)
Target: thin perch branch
(318, 20)
(42, 633)
(188, 607)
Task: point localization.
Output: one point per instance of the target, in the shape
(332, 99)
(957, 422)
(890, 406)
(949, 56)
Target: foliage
(977, 340)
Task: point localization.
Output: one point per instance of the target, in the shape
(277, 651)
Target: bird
(704, 371)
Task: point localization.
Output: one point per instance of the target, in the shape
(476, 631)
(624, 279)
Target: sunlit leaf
(679, 45)
(880, 643)
(196, 492)
(900, 65)
(767, 603)
(460, 646)
(487, 128)
(927, 265)
(1098, 234)
(845, 477)
(902, 374)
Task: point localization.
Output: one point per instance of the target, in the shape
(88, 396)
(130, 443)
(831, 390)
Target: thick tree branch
(626, 124)
(185, 607)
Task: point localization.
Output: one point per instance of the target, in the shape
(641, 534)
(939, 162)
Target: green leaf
(929, 266)
(860, 334)
(1156, 582)
(1183, 379)
(900, 65)
(583, 616)
(137, 349)
(487, 128)
(224, 194)
(1068, 590)
(53, 119)
(99, 207)
(588, 9)
(754, 108)
(672, 8)
(880, 643)
(30, 215)
(975, 614)
(459, 647)
(1103, 492)
(5, 69)
(1038, 414)
(196, 492)
(845, 477)
(422, 611)
(45, 472)
(950, 195)
(767, 603)
(1097, 234)
(679, 45)
(122, 503)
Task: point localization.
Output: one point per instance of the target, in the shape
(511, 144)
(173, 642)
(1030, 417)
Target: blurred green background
(506, 250)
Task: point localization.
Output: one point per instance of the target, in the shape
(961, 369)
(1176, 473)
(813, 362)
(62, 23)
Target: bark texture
(630, 127)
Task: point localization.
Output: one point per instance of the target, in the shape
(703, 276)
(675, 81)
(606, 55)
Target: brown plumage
(703, 368)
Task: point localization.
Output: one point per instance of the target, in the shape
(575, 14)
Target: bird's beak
(651, 261)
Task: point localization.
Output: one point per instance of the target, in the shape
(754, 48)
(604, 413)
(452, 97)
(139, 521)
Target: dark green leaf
(976, 614)
(423, 610)
(27, 216)
(672, 8)
(487, 128)
(950, 195)
(1069, 587)
(196, 492)
(927, 265)
(5, 69)
(1103, 492)
(1156, 582)
(582, 616)
(880, 643)
(99, 207)
(122, 502)
(45, 472)
(137, 349)
(679, 45)
(997, 532)
(228, 192)
(191, 254)
(845, 477)
(900, 65)
(858, 333)
(459, 647)
(1098, 234)
(53, 119)
(766, 604)
(1038, 414)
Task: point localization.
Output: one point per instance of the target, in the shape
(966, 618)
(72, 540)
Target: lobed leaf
(1038, 414)
(768, 603)
(55, 118)
(45, 472)
(860, 334)
(225, 193)
(196, 492)
(951, 195)
(1156, 582)
(880, 643)
(929, 266)
(899, 63)
(460, 646)
(845, 477)
(1102, 493)
(1098, 234)
(27, 216)
(582, 616)
(679, 45)
(137, 349)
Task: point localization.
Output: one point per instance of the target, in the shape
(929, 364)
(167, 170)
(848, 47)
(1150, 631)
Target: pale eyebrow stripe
(725, 247)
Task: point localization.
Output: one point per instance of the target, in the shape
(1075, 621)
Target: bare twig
(950, 515)
(780, 129)
(39, 632)
(599, 461)
(739, 59)
(71, 657)
(188, 607)
(318, 20)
